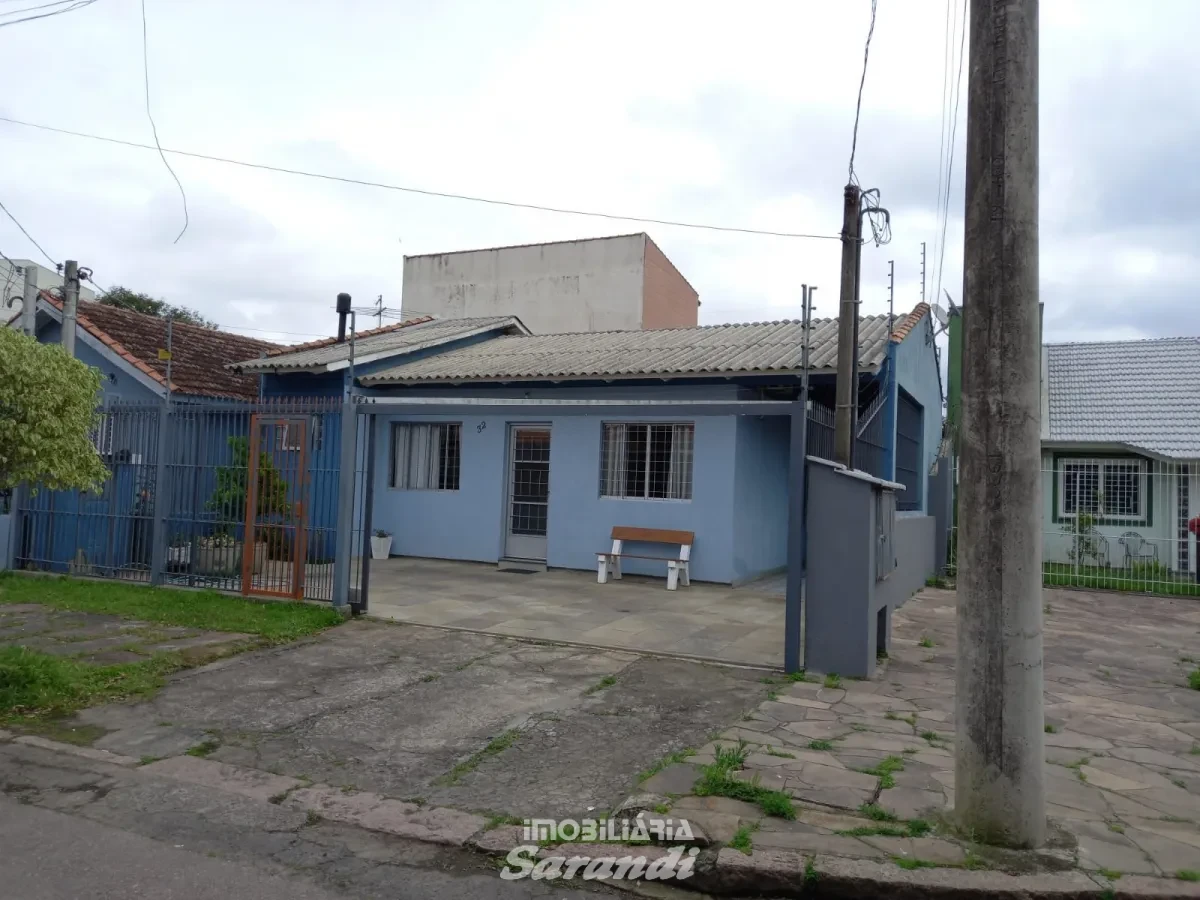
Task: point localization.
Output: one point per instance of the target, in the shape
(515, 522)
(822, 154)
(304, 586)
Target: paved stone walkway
(708, 621)
(104, 639)
(1122, 747)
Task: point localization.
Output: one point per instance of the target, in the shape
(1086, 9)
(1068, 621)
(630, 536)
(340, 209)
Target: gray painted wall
(913, 542)
(917, 374)
(760, 498)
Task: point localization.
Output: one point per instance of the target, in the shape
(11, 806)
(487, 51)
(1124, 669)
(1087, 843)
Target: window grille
(648, 462)
(426, 456)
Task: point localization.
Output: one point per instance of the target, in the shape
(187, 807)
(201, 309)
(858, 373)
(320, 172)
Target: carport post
(345, 514)
(158, 522)
(794, 608)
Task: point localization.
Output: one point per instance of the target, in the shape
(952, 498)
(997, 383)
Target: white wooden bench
(677, 566)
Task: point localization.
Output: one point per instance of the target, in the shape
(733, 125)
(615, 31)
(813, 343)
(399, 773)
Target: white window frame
(400, 471)
(688, 482)
(1101, 515)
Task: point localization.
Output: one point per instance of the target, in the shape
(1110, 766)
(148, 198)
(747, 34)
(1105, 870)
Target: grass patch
(833, 680)
(716, 780)
(1050, 729)
(919, 827)
(606, 682)
(820, 745)
(146, 760)
(876, 813)
(204, 748)
(1195, 751)
(931, 736)
(783, 754)
(910, 862)
(1188, 875)
(916, 828)
(495, 821)
(885, 769)
(1116, 827)
(926, 641)
(271, 621)
(36, 685)
(495, 746)
(741, 838)
(669, 760)
(811, 875)
(432, 676)
(1110, 874)
(1194, 679)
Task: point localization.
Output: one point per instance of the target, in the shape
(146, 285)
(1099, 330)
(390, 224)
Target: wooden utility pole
(843, 435)
(999, 741)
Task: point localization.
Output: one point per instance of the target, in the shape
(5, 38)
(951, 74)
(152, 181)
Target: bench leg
(616, 568)
(672, 576)
(685, 576)
(602, 569)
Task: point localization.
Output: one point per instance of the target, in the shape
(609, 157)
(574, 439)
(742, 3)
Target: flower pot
(260, 557)
(381, 547)
(179, 555)
(222, 560)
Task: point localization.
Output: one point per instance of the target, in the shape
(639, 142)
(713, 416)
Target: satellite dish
(942, 317)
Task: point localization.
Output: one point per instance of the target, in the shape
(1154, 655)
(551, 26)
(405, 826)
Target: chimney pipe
(343, 310)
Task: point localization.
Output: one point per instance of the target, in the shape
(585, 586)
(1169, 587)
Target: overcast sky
(734, 114)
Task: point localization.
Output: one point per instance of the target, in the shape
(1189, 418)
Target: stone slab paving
(105, 640)
(1122, 750)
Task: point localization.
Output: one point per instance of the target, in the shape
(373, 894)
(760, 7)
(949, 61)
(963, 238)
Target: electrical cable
(154, 128)
(78, 4)
(953, 138)
(422, 191)
(853, 177)
(28, 235)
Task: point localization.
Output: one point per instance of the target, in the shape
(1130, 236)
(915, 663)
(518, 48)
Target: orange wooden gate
(274, 550)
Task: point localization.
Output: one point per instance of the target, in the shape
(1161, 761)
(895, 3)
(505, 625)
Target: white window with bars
(101, 433)
(647, 461)
(1111, 489)
(426, 456)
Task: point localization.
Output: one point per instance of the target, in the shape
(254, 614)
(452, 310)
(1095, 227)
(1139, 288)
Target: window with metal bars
(647, 461)
(426, 456)
(910, 432)
(1113, 489)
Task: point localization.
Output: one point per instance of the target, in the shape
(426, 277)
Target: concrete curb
(765, 872)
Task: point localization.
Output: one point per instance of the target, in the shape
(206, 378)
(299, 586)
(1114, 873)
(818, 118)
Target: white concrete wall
(12, 284)
(593, 285)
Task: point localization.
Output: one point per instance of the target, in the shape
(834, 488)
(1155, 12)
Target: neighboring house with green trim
(1121, 452)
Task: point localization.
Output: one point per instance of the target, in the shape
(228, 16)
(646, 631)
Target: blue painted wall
(917, 374)
(469, 523)
(118, 383)
(760, 525)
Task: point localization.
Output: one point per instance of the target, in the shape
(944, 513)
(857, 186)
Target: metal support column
(158, 522)
(345, 510)
(363, 600)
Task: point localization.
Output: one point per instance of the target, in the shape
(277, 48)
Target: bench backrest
(653, 535)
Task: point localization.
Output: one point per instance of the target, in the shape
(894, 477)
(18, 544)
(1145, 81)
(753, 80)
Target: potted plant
(271, 497)
(179, 552)
(218, 553)
(381, 544)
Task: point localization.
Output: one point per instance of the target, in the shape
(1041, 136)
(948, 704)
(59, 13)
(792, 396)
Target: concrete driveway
(702, 621)
(477, 722)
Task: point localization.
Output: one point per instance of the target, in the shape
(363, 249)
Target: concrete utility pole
(843, 434)
(70, 305)
(999, 742)
(29, 302)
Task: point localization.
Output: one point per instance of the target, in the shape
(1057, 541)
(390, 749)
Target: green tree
(47, 414)
(123, 298)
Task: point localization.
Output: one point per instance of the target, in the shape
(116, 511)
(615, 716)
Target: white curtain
(679, 477)
(614, 461)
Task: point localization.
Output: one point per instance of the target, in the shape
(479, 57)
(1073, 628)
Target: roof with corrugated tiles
(1139, 393)
(402, 337)
(753, 348)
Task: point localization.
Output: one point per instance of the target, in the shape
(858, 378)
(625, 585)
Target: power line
(75, 4)
(946, 65)
(422, 191)
(953, 138)
(28, 235)
(154, 128)
(862, 81)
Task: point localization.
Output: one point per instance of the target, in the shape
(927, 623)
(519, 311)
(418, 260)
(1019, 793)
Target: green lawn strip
(716, 780)
(35, 685)
(1156, 582)
(495, 746)
(274, 622)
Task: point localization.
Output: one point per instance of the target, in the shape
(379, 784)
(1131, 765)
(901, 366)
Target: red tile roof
(199, 355)
(329, 341)
(905, 325)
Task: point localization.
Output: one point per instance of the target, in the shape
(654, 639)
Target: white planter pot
(381, 547)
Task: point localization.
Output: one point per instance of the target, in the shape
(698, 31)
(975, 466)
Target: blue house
(483, 485)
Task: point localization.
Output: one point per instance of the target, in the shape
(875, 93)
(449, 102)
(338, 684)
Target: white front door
(528, 491)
